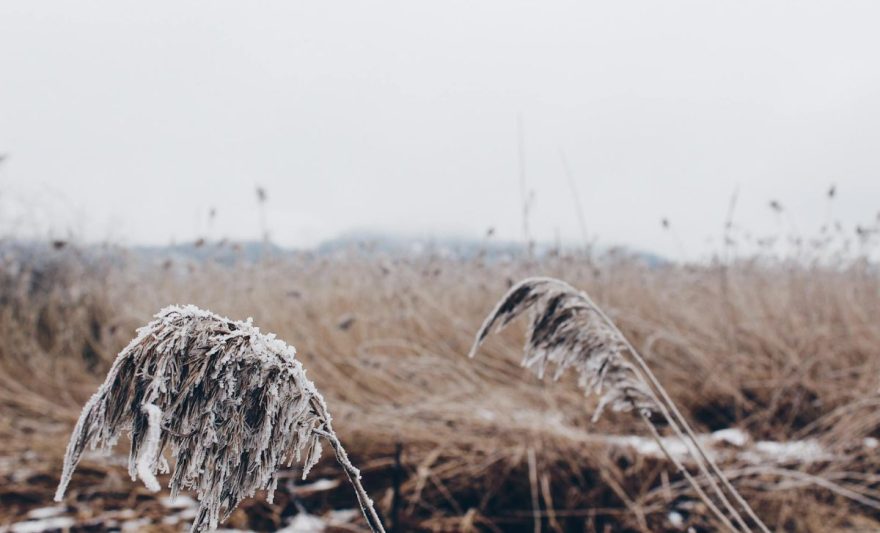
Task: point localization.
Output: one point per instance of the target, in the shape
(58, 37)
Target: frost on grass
(146, 462)
(567, 330)
(230, 403)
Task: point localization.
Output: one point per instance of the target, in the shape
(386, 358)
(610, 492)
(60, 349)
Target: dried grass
(780, 350)
(569, 330)
(232, 404)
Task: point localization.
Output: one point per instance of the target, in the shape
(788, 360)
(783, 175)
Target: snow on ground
(316, 486)
(44, 524)
(730, 443)
(725, 444)
(733, 436)
(181, 502)
(304, 523)
(798, 451)
(47, 512)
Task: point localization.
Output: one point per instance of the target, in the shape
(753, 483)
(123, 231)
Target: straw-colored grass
(779, 350)
(567, 329)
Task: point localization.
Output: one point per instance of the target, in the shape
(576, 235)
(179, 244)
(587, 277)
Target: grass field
(775, 362)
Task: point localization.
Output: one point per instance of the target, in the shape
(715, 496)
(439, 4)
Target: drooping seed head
(231, 403)
(567, 330)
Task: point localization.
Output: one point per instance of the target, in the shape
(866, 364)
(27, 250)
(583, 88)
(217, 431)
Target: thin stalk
(673, 423)
(533, 484)
(701, 455)
(649, 394)
(677, 422)
(576, 197)
(690, 478)
(354, 477)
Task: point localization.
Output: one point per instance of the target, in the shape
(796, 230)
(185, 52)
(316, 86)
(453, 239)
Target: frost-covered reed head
(568, 330)
(230, 403)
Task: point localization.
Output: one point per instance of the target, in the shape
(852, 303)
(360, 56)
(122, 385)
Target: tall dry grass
(781, 349)
(569, 331)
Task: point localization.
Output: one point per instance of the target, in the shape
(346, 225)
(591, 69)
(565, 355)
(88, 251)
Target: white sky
(130, 120)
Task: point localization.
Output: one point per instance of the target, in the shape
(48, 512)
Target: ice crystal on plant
(230, 403)
(569, 331)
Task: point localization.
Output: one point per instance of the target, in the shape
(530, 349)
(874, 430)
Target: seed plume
(570, 331)
(567, 330)
(232, 404)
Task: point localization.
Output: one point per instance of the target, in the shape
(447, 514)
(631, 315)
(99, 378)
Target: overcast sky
(130, 121)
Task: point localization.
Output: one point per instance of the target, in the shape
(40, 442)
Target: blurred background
(367, 179)
(133, 124)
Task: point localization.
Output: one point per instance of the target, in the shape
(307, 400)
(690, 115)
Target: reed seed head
(231, 403)
(567, 330)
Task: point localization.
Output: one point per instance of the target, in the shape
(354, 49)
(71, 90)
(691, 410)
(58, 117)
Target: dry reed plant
(567, 329)
(233, 404)
(787, 351)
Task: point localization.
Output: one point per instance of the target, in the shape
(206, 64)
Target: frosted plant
(568, 330)
(232, 404)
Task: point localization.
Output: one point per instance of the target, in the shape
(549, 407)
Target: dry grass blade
(570, 331)
(231, 403)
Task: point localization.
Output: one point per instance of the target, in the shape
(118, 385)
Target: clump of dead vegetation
(233, 405)
(569, 330)
(783, 351)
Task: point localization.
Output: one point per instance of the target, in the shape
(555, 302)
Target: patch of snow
(675, 519)
(304, 523)
(318, 486)
(47, 512)
(181, 502)
(188, 514)
(733, 436)
(486, 414)
(342, 516)
(802, 451)
(649, 447)
(47, 524)
(136, 525)
(871, 443)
